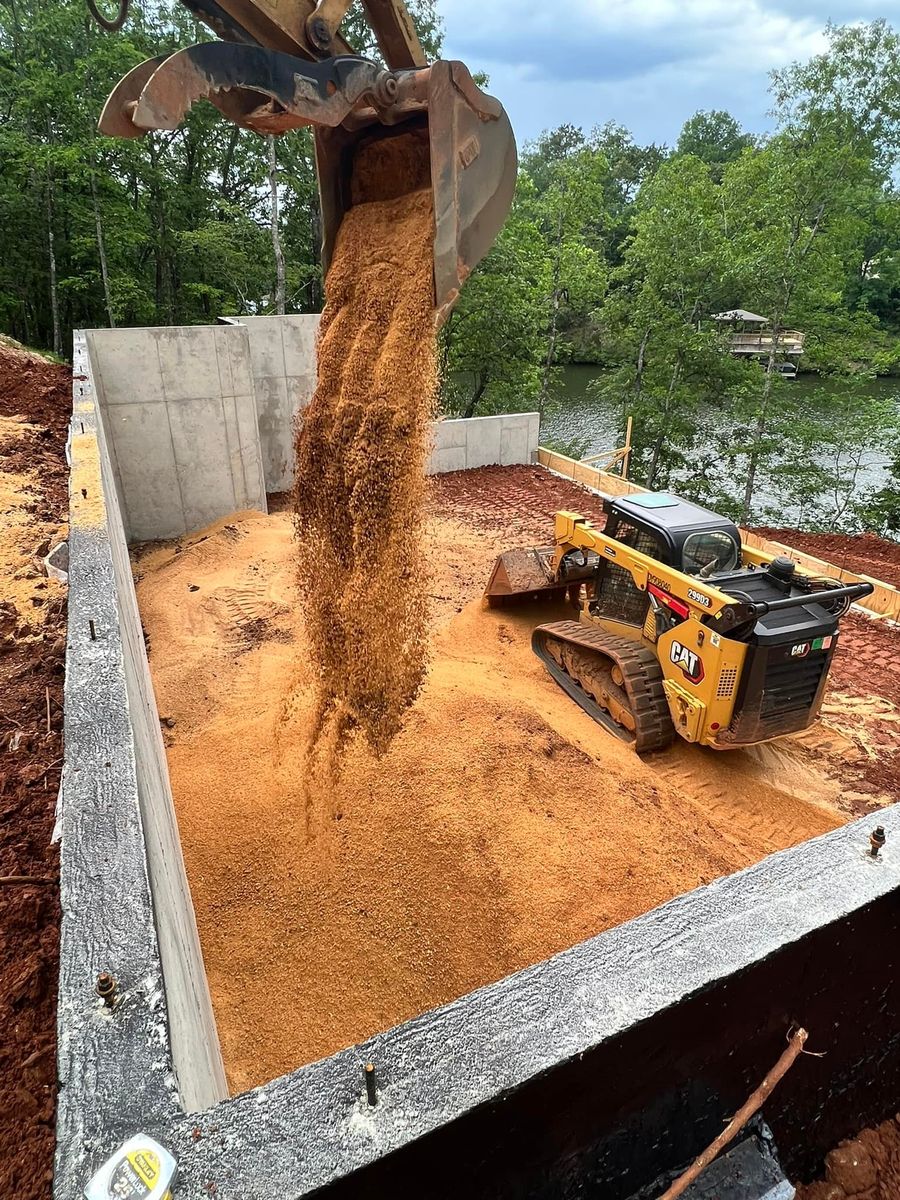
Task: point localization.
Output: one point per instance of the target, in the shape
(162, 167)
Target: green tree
(668, 363)
(493, 341)
(715, 138)
(792, 231)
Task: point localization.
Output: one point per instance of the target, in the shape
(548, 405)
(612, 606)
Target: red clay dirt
(864, 553)
(35, 401)
(866, 1167)
(519, 501)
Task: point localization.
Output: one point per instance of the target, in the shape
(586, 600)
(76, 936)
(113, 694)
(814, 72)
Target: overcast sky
(648, 64)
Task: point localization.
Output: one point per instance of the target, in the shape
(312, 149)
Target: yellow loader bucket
(354, 106)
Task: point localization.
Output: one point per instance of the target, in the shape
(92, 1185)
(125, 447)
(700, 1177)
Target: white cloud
(648, 64)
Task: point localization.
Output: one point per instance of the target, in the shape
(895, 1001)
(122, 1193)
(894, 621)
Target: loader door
(616, 596)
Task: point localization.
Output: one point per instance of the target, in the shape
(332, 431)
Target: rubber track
(642, 680)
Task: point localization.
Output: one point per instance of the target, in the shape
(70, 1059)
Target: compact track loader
(283, 64)
(681, 629)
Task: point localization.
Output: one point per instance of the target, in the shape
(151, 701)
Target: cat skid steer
(681, 629)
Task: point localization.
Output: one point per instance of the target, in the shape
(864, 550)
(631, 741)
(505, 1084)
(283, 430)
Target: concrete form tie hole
(93, 630)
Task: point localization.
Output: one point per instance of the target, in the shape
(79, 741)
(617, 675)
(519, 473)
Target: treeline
(614, 253)
(620, 254)
(171, 228)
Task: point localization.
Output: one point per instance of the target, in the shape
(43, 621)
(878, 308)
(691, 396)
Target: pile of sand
(501, 825)
(360, 451)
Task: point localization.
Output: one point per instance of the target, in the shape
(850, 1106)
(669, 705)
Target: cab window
(710, 551)
(617, 596)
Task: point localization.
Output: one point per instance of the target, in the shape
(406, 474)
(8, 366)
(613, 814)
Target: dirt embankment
(35, 401)
(866, 1167)
(360, 449)
(864, 553)
(501, 825)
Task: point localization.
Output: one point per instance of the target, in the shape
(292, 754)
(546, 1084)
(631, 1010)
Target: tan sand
(360, 450)
(501, 826)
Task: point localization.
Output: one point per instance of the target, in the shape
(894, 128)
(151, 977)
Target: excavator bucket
(354, 106)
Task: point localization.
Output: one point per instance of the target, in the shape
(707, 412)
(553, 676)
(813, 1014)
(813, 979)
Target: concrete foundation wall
(180, 416)
(121, 845)
(200, 419)
(461, 445)
(283, 362)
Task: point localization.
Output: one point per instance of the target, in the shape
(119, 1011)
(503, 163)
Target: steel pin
(106, 988)
(371, 1093)
(877, 839)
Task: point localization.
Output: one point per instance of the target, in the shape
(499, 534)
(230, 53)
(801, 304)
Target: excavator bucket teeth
(523, 574)
(353, 104)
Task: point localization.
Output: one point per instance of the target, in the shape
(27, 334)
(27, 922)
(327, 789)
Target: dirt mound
(866, 1167)
(864, 553)
(359, 494)
(35, 400)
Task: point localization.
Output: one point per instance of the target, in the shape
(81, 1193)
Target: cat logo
(688, 661)
(800, 651)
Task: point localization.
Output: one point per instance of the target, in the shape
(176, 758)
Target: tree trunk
(51, 255)
(476, 396)
(639, 373)
(229, 159)
(554, 319)
(760, 429)
(276, 235)
(101, 250)
(664, 430)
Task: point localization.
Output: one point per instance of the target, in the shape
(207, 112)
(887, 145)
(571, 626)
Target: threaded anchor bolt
(371, 1094)
(876, 840)
(107, 988)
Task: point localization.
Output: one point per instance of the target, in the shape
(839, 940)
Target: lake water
(581, 417)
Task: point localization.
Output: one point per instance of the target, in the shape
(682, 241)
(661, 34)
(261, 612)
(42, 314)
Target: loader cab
(673, 531)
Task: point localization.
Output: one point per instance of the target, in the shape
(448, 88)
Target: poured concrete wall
(126, 904)
(461, 445)
(180, 416)
(283, 362)
(200, 419)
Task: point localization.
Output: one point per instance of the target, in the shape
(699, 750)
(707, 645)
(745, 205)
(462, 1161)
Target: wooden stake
(626, 458)
(47, 694)
(741, 1117)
